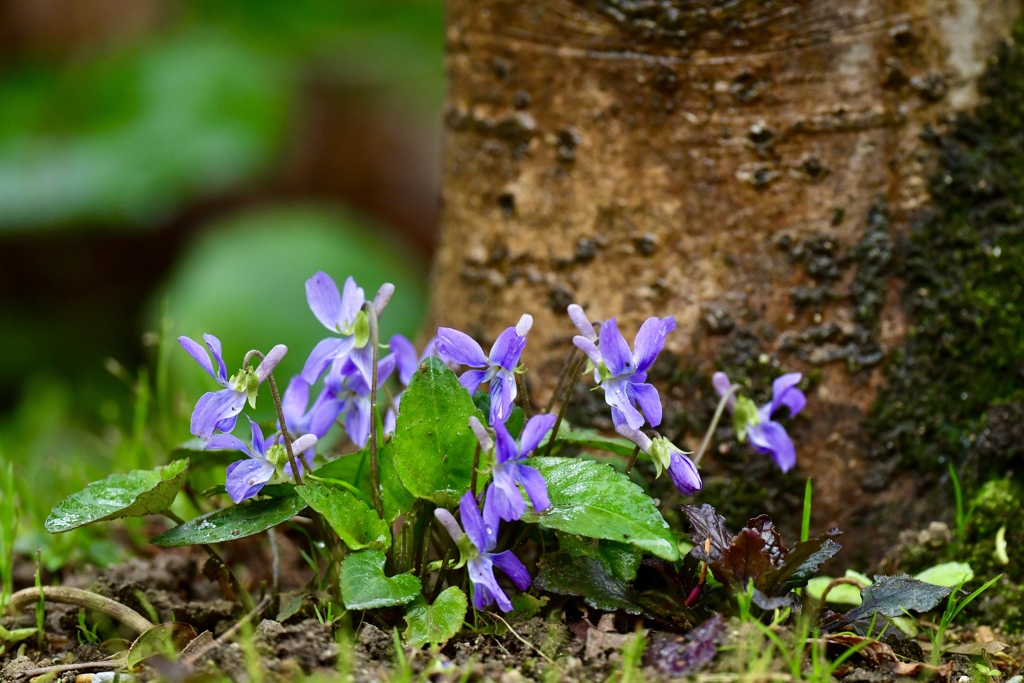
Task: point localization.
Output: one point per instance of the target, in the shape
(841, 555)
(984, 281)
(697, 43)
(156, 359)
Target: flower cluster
(352, 372)
(347, 359)
(622, 374)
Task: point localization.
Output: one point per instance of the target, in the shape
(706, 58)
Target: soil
(571, 644)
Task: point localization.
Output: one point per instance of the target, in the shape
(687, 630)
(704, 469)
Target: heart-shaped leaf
(136, 494)
(364, 585)
(238, 521)
(436, 624)
(352, 519)
(593, 500)
(433, 444)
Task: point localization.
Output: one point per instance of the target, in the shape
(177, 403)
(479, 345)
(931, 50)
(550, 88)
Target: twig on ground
(522, 640)
(80, 666)
(67, 595)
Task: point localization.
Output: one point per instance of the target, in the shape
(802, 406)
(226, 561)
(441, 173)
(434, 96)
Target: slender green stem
(805, 522)
(724, 401)
(476, 465)
(521, 385)
(632, 460)
(574, 377)
(371, 314)
(66, 595)
(285, 435)
(441, 573)
(275, 551)
(40, 604)
(243, 595)
(569, 360)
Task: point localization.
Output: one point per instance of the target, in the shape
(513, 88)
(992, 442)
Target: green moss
(997, 504)
(964, 296)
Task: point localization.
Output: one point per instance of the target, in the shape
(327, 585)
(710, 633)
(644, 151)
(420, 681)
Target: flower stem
(714, 422)
(632, 460)
(574, 376)
(521, 385)
(285, 435)
(371, 314)
(569, 359)
(476, 464)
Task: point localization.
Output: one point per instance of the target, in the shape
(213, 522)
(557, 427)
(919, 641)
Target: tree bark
(732, 163)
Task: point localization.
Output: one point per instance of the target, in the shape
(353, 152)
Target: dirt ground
(571, 644)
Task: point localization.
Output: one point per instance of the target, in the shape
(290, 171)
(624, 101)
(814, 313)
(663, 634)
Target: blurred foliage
(400, 41)
(126, 137)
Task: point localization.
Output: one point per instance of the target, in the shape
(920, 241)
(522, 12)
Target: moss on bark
(961, 265)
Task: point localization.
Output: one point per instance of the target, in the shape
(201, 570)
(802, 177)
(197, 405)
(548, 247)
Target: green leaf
(593, 500)
(438, 623)
(229, 524)
(15, 635)
(355, 522)
(136, 494)
(949, 574)
(355, 469)
(396, 498)
(433, 444)
(892, 596)
(364, 585)
(589, 439)
(588, 578)
(620, 559)
(843, 593)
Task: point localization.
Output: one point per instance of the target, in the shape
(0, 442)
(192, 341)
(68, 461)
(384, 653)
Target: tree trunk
(732, 163)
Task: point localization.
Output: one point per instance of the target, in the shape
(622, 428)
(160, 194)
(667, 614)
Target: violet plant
(400, 464)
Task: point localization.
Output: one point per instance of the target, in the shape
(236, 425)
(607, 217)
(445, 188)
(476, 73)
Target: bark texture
(744, 166)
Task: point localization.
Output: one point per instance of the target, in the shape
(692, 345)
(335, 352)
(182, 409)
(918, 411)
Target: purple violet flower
(666, 456)
(756, 424)
(219, 409)
(503, 497)
(498, 368)
(245, 478)
(341, 313)
(622, 373)
(482, 534)
(346, 391)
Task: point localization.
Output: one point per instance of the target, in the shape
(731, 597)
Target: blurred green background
(175, 167)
